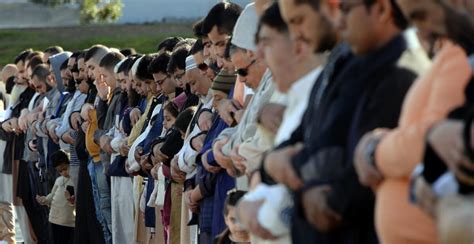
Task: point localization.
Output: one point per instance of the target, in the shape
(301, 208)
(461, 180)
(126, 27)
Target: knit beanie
(224, 82)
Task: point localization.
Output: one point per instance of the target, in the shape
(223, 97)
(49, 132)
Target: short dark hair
(398, 18)
(142, 69)
(233, 197)
(197, 29)
(81, 55)
(63, 65)
(197, 47)
(75, 54)
(110, 60)
(224, 15)
(35, 61)
(132, 62)
(22, 56)
(168, 43)
(188, 43)
(124, 65)
(172, 108)
(184, 118)
(59, 158)
(159, 64)
(272, 18)
(128, 51)
(178, 59)
(54, 50)
(34, 54)
(91, 52)
(41, 71)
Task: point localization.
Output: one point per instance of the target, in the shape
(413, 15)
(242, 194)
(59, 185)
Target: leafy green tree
(92, 11)
(96, 11)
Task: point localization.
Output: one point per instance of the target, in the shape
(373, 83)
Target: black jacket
(15, 143)
(354, 95)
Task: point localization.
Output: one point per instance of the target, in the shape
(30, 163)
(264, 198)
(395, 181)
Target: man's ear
(384, 7)
(251, 54)
(51, 79)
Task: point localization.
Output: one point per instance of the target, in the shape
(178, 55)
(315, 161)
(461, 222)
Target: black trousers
(62, 234)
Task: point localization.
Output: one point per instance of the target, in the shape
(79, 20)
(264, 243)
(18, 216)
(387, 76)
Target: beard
(71, 85)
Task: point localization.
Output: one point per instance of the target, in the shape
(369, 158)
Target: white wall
(139, 11)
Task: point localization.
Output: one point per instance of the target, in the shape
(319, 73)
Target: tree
(92, 11)
(100, 11)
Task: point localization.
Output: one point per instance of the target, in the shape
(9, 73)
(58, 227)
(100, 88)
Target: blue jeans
(101, 193)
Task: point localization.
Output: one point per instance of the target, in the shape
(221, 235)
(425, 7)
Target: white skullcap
(117, 66)
(135, 66)
(190, 63)
(245, 28)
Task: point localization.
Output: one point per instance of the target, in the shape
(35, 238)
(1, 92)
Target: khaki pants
(7, 223)
(175, 222)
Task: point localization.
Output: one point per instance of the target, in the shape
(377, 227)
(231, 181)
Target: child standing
(234, 232)
(61, 201)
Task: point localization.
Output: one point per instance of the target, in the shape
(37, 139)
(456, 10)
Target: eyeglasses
(179, 76)
(203, 66)
(160, 82)
(245, 71)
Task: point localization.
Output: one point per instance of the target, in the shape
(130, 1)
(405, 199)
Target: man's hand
(425, 197)
(224, 161)
(7, 126)
(192, 205)
(271, 115)
(207, 166)
(138, 154)
(239, 162)
(85, 126)
(103, 90)
(278, 165)
(247, 212)
(52, 134)
(124, 148)
(67, 138)
(227, 110)
(368, 174)
(317, 211)
(76, 120)
(135, 116)
(23, 119)
(154, 171)
(446, 140)
(176, 174)
(104, 142)
(145, 163)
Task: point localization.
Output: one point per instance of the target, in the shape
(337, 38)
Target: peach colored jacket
(429, 100)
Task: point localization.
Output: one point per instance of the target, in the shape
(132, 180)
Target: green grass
(143, 38)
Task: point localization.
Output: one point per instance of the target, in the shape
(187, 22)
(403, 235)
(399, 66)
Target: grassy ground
(143, 38)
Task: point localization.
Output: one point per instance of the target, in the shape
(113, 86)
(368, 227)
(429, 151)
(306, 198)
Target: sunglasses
(203, 66)
(243, 72)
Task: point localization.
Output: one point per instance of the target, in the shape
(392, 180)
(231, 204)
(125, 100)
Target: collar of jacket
(386, 54)
(52, 93)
